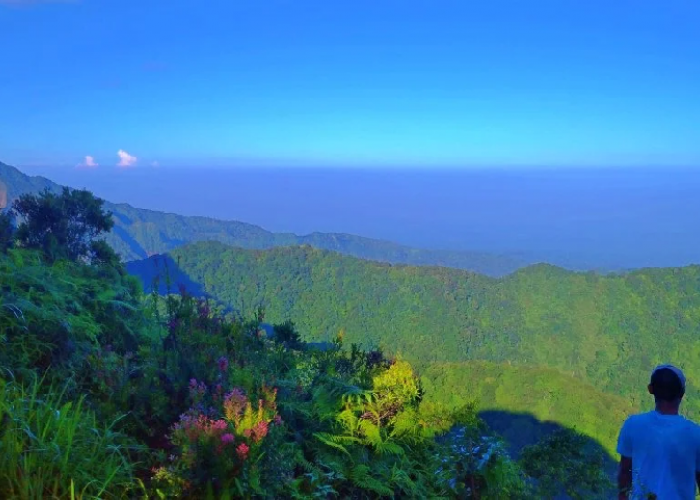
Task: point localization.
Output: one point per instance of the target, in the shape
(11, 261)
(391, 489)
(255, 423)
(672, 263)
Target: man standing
(660, 450)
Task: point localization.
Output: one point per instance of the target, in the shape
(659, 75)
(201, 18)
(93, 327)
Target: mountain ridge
(139, 233)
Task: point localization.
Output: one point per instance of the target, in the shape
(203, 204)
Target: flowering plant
(219, 444)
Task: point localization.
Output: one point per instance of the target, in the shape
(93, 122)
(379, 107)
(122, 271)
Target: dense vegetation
(108, 393)
(607, 331)
(139, 233)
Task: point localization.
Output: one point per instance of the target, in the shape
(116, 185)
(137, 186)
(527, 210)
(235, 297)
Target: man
(660, 450)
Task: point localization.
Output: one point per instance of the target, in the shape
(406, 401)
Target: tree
(7, 230)
(287, 334)
(64, 226)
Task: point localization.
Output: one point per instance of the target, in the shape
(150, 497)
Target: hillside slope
(607, 330)
(139, 233)
(525, 403)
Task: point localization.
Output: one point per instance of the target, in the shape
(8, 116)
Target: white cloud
(125, 159)
(89, 162)
(155, 164)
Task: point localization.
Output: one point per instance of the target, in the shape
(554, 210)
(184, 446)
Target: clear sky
(362, 82)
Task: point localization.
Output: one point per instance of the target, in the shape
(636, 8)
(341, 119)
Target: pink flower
(242, 451)
(227, 438)
(219, 425)
(260, 431)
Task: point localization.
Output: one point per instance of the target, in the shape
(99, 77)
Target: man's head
(667, 384)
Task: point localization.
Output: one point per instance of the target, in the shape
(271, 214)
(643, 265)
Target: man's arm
(624, 478)
(625, 449)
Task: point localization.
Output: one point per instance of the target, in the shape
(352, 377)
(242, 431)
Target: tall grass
(53, 448)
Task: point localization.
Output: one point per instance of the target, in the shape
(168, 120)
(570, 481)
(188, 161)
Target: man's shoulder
(650, 418)
(692, 426)
(639, 418)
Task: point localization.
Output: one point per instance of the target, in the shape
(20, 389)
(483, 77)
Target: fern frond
(372, 432)
(348, 420)
(330, 440)
(361, 477)
(389, 448)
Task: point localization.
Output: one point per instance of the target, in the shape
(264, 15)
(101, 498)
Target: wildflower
(234, 403)
(227, 438)
(217, 426)
(197, 389)
(223, 364)
(260, 431)
(242, 451)
(278, 420)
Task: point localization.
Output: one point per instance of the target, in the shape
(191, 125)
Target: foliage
(64, 226)
(477, 465)
(564, 462)
(176, 396)
(605, 331)
(51, 446)
(287, 334)
(522, 402)
(7, 231)
(61, 316)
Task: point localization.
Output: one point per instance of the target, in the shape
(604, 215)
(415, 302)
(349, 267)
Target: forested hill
(606, 330)
(139, 233)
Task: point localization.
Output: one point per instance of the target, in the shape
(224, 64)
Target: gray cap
(674, 369)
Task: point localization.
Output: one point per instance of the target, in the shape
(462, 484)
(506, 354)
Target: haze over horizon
(583, 218)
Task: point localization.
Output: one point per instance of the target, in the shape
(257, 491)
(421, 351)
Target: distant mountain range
(140, 233)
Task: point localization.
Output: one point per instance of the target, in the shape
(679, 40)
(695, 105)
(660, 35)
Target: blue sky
(380, 82)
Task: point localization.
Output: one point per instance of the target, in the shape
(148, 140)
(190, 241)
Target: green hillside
(501, 390)
(108, 393)
(606, 330)
(139, 233)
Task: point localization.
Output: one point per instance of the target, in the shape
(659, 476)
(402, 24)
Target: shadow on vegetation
(163, 268)
(524, 429)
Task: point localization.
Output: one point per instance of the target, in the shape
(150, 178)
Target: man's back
(665, 453)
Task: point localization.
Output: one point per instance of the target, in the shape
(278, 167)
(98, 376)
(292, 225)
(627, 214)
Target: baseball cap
(674, 369)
